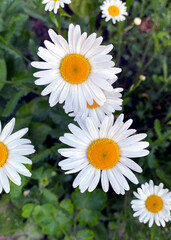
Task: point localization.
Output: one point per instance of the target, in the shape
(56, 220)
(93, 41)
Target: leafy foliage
(46, 206)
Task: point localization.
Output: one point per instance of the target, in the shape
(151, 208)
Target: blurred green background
(46, 206)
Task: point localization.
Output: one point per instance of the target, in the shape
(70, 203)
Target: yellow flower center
(154, 203)
(94, 105)
(113, 11)
(75, 68)
(103, 153)
(3, 154)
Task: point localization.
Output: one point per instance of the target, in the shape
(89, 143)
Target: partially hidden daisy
(103, 153)
(12, 150)
(153, 204)
(113, 103)
(77, 71)
(54, 5)
(115, 10)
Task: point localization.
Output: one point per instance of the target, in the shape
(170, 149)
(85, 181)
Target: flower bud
(137, 21)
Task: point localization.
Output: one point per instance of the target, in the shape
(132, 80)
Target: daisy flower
(153, 204)
(76, 71)
(54, 5)
(103, 153)
(12, 150)
(113, 102)
(115, 10)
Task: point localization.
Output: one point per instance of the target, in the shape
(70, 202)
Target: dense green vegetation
(46, 206)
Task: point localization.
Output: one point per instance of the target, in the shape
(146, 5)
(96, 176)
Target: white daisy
(12, 150)
(115, 10)
(153, 204)
(54, 5)
(113, 102)
(76, 72)
(104, 153)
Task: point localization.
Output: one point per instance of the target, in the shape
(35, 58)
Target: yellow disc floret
(113, 11)
(94, 105)
(103, 153)
(75, 68)
(154, 203)
(3, 154)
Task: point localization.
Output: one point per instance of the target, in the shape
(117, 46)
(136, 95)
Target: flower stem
(101, 25)
(59, 21)
(152, 232)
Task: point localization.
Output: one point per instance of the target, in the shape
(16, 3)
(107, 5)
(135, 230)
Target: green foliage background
(46, 206)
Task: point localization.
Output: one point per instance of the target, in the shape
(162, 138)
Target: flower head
(114, 9)
(54, 5)
(153, 204)
(12, 150)
(103, 152)
(76, 72)
(113, 103)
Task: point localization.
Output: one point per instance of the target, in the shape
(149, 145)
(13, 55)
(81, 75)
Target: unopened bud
(137, 21)
(142, 77)
(26, 193)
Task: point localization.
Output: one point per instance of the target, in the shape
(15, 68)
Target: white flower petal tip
(114, 10)
(13, 149)
(101, 152)
(153, 204)
(77, 72)
(53, 5)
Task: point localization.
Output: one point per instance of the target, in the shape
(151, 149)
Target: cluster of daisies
(79, 73)
(114, 10)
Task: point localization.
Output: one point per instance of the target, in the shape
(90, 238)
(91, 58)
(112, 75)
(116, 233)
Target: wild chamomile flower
(76, 72)
(96, 112)
(115, 10)
(12, 150)
(103, 153)
(153, 204)
(54, 5)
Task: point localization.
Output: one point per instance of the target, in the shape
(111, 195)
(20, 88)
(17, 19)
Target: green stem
(152, 232)
(101, 25)
(119, 44)
(132, 88)
(7, 82)
(142, 8)
(59, 21)
(9, 46)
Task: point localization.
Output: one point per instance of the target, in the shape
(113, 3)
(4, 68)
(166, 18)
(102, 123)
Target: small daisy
(113, 102)
(55, 4)
(115, 10)
(103, 153)
(76, 72)
(12, 150)
(153, 204)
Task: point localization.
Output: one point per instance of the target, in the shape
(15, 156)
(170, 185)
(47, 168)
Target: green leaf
(97, 200)
(163, 177)
(3, 72)
(157, 128)
(67, 205)
(87, 217)
(11, 105)
(129, 3)
(39, 132)
(83, 8)
(49, 196)
(44, 217)
(94, 201)
(27, 209)
(85, 235)
(80, 199)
